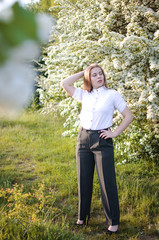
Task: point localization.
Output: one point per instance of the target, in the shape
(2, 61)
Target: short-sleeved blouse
(98, 107)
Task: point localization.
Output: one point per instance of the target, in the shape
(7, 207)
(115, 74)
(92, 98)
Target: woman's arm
(128, 118)
(69, 81)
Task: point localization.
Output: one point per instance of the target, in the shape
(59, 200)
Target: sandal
(81, 222)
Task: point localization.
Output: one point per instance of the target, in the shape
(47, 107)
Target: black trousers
(92, 150)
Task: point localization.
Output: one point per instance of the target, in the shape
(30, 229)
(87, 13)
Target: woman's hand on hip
(107, 134)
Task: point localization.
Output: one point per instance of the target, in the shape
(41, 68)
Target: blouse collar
(99, 90)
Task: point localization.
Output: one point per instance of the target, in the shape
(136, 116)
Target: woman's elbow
(128, 115)
(63, 85)
(131, 118)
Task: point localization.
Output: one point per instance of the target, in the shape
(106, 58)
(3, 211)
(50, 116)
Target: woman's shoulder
(112, 91)
(114, 94)
(79, 93)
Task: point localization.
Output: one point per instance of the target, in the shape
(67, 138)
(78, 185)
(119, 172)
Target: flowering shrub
(21, 35)
(28, 209)
(123, 37)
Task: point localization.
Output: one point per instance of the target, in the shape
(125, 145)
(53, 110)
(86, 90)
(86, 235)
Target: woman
(94, 141)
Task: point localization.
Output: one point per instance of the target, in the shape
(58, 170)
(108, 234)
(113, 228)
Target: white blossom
(6, 15)
(16, 87)
(150, 113)
(45, 23)
(28, 50)
(156, 35)
(151, 97)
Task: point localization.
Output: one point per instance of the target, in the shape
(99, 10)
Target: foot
(80, 222)
(113, 228)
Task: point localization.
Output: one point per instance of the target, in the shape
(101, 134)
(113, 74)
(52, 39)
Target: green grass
(34, 153)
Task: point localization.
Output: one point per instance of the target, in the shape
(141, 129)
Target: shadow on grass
(97, 231)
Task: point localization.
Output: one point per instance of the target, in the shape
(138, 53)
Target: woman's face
(97, 77)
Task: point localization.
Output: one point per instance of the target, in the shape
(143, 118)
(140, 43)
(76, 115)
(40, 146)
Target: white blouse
(98, 107)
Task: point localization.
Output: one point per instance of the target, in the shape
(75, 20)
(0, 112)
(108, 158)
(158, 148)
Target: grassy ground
(38, 196)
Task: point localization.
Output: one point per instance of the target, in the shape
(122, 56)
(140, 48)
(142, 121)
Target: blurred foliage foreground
(21, 36)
